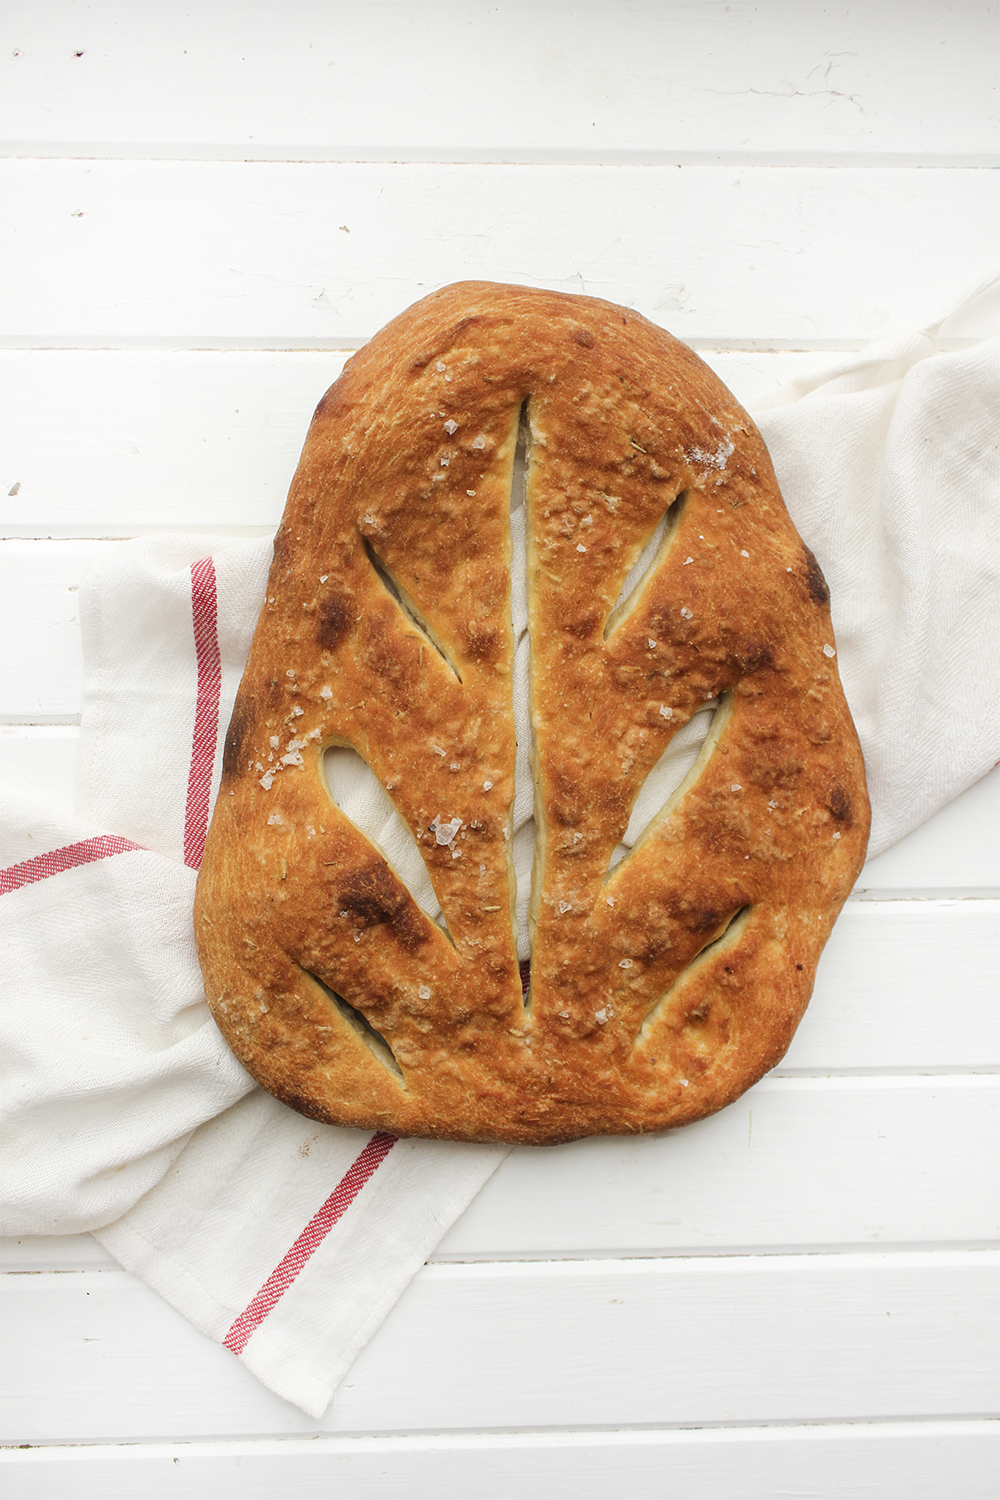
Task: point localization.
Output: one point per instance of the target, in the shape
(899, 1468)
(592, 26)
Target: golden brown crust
(659, 992)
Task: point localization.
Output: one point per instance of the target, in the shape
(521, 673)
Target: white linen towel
(124, 1111)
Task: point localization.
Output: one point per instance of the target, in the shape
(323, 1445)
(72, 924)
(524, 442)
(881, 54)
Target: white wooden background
(212, 203)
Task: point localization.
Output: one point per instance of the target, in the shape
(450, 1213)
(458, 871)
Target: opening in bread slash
(726, 936)
(373, 1040)
(680, 766)
(408, 605)
(524, 852)
(654, 550)
(363, 800)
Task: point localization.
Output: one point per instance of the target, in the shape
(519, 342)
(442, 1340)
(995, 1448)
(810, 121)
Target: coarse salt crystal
(451, 427)
(326, 692)
(323, 577)
(610, 900)
(600, 1016)
(688, 560)
(736, 787)
(836, 835)
(564, 1014)
(274, 742)
(829, 651)
(744, 552)
(565, 906)
(424, 992)
(267, 780)
(487, 786)
(290, 672)
(665, 712)
(437, 750)
(444, 831)
(441, 365)
(580, 547)
(276, 818)
(624, 963)
(650, 643)
(297, 712)
(479, 442)
(686, 613)
(683, 1082)
(445, 462)
(470, 492)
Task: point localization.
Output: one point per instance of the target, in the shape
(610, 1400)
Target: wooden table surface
(212, 205)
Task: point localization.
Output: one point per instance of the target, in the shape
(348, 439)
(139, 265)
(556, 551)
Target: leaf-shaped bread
(659, 989)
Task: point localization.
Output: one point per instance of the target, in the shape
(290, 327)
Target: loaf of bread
(659, 989)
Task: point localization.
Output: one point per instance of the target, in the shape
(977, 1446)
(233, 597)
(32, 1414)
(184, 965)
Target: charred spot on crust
(303, 1106)
(481, 642)
(754, 656)
(333, 621)
(583, 628)
(583, 338)
(839, 803)
(815, 582)
(236, 737)
(373, 895)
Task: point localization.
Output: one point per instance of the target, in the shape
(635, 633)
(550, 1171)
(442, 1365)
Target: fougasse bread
(660, 989)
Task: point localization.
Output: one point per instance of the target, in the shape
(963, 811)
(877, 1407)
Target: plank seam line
(847, 1428)
(369, 155)
(152, 343)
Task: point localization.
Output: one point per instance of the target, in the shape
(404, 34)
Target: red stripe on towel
(309, 1241)
(204, 610)
(44, 865)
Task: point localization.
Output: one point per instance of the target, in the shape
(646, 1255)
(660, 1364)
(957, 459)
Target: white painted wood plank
(859, 1461)
(818, 1164)
(964, 836)
(52, 1252)
(41, 653)
(176, 438)
(98, 1357)
(822, 1162)
(120, 250)
(39, 761)
(450, 80)
(896, 985)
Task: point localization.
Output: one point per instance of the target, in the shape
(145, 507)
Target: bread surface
(659, 990)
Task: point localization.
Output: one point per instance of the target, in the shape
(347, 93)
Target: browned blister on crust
(659, 990)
